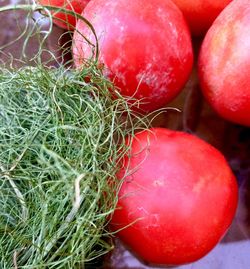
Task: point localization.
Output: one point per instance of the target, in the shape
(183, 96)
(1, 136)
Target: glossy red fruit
(145, 47)
(224, 63)
(65, 21)
(178, 198)
(200, 14)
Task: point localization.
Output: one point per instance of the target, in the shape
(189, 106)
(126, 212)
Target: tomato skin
(145, 47)
(181, 197)
(224, 63)
(69, 21)
(200, 14)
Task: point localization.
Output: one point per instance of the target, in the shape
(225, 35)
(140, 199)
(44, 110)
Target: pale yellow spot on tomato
(200, 185)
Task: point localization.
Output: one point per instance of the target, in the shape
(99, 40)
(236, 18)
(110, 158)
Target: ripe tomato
(200, 14)
(224, 63)
(145, 47)
(68, 21)
(178, 197)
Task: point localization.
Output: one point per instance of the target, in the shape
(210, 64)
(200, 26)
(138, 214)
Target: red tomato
(224, 63)
(68, 21)
(200, 14)
(144, 45)
(178, 197)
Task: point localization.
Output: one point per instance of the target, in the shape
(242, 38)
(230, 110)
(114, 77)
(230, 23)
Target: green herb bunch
(61, 137)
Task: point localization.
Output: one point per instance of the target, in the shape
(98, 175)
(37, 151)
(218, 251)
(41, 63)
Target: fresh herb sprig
(61, 137)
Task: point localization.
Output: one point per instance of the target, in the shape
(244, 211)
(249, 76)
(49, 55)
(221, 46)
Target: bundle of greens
(61, 138)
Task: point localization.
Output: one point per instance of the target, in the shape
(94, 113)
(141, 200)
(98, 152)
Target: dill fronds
(61, 139)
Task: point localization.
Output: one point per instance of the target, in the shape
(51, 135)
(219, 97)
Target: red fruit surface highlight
(66, 21)
(178, 198)
(224, 63)
(200, 14)
(145, 47)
